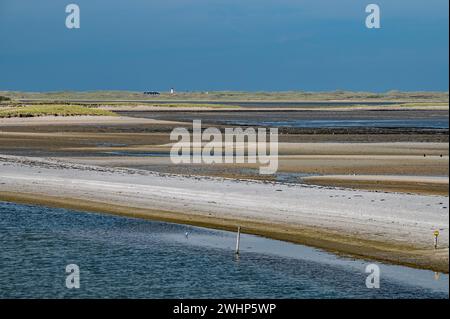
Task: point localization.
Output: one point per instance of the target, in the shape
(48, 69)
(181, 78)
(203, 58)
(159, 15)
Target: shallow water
(125, 257)
(405, 119)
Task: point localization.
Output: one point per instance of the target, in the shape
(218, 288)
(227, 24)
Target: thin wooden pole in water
(238, 240)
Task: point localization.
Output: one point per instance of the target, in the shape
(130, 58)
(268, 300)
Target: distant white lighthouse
(172, 91)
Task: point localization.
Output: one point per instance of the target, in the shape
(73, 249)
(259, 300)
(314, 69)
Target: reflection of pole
(436, 236)
(437, 276)
(238, 240)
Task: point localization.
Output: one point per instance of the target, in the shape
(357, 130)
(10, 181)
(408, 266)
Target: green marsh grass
(52, 110)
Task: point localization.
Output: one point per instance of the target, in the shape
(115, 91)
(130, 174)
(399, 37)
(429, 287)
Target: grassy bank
(52, 110)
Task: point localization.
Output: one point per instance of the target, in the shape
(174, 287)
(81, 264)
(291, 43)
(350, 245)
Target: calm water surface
(125, 257)
(406, 119)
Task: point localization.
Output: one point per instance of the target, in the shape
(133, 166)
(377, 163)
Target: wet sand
(292, 166)
(255, 116)
(402, 184)
(144, 144)
(111, 164)
(396, 228)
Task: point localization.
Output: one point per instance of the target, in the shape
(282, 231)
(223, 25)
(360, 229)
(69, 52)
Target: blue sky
(208, 45)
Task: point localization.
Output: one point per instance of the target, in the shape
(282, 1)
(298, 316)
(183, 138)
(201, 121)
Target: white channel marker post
(238, 240)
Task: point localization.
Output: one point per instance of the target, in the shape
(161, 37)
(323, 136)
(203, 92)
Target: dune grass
(52, 110)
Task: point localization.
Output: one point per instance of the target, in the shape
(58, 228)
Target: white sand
(399, 218)
(76, 120)
(438, 180)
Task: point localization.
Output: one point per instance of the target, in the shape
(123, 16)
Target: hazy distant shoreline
(296, 96)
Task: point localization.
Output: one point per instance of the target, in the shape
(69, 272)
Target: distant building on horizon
(151, 93)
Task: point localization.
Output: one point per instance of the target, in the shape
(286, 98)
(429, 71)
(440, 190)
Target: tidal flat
(388, 168)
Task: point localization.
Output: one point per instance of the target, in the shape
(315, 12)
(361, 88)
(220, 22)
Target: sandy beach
(391, 227)
(77, 120)
(143, 143)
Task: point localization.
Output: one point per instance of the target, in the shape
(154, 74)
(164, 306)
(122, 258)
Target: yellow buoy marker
(436, 236)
